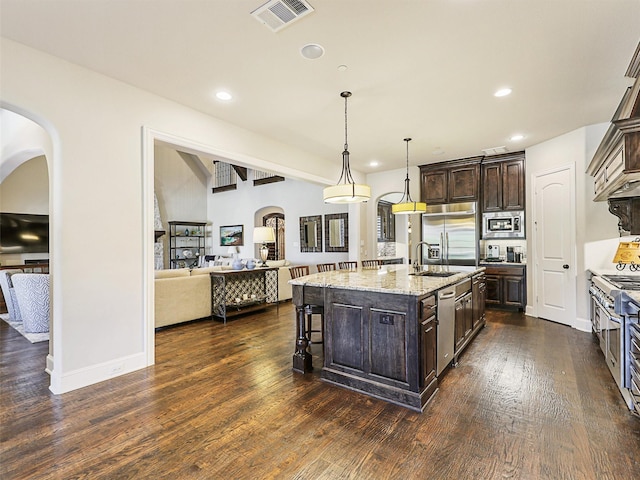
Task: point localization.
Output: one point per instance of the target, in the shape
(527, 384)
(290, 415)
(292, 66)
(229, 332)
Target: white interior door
(554, 227)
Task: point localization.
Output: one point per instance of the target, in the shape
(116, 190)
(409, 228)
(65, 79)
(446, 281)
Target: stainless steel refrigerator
(451, 230)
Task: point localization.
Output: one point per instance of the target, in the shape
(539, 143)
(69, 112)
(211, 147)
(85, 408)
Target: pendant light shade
(406, 205)
(347, 190)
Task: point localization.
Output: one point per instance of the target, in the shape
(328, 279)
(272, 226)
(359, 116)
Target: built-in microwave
(503, 224)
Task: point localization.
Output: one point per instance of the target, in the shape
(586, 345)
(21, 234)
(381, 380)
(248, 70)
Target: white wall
(97, 182)
(294, 198)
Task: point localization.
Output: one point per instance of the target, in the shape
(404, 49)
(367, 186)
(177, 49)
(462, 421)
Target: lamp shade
(264, 235)
(347, 193)
(408, 208)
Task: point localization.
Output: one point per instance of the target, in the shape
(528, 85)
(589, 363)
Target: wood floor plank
(529, 400)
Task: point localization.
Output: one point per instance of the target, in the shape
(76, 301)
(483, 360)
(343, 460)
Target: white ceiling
(425, 69)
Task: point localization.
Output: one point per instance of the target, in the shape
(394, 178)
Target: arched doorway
(276, 221)
(25, 189)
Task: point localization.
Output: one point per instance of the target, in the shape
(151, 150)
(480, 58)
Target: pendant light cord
(346, 168)
(406, 194)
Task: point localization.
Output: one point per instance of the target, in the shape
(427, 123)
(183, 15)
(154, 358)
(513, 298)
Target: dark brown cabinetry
(479, 290)
(464, 319)
(450, 182)
(428, 339)
(506, 286)
(503, 182)
(469, 312)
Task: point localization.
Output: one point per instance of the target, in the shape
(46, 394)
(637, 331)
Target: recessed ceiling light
(503, 92)
(312, 51)
(342, 68)
(222, 95)
(437, 151)
(516, 137)
(374, 163)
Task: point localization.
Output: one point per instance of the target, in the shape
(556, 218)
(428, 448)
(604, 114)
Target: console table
(241, 291)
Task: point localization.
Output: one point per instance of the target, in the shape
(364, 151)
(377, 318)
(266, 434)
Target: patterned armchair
(32, 292)
(10, 294)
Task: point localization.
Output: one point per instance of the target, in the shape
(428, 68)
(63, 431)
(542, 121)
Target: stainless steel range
(614, 320)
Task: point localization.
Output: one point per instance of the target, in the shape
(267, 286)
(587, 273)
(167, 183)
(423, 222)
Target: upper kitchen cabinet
(450, 182)
(616, 163)
(503, 182)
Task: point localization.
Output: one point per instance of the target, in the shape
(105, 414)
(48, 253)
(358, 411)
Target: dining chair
(325, 267)
(371, 264)
(348, 265)
(299, 271)
(309, 309)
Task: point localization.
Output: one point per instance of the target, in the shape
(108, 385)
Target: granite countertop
(386, 279)
(484, 263)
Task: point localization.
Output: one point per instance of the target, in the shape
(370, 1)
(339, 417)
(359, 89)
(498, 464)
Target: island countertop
(386, 279)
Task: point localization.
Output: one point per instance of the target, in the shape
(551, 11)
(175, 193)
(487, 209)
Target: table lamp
(264, 235)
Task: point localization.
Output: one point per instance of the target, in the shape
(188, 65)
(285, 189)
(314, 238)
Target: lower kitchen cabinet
(506, 286)
(428, 340)
(464, 315)
(469, 312)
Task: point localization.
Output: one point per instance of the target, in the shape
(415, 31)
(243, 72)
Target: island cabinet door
(428, 341)
(368, 334)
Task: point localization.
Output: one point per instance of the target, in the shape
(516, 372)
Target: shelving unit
(241, 291)
(186, 243)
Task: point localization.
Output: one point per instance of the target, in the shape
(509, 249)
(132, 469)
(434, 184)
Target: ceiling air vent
(278, 14)
(495, 150)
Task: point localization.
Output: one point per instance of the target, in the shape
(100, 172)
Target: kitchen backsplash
(503, 244)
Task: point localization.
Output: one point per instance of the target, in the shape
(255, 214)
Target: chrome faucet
(418, 260)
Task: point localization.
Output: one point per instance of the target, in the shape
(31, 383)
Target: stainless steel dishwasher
(446, 327)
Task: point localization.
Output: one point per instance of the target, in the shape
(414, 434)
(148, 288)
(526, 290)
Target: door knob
(565, 266)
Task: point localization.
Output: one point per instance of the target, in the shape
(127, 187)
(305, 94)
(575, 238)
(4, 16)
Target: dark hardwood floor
(530, 400)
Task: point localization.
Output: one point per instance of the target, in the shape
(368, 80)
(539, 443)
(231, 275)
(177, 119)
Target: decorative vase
(251, 264)
(236, 264)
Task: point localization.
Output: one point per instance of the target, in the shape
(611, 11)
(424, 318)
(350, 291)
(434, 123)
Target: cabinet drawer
(428, 307)
(511, 271)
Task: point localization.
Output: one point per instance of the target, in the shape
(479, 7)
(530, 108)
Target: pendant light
(349, 191)
(406, 205)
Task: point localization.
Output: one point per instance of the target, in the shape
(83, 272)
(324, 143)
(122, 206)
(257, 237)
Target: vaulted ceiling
(424, 69)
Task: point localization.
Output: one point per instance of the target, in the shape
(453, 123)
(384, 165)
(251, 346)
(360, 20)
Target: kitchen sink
(426, 273)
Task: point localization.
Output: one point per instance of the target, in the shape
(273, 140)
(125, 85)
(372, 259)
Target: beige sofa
(182, 295)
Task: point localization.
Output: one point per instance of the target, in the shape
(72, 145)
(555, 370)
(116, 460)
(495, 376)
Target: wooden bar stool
(348, 265)
(325, 267)
(371, 264)
(309, 309)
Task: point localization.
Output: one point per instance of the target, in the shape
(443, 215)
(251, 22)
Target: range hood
(616, 164)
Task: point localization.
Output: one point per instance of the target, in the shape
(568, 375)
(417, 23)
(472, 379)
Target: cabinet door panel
(347, 336)
(463, 183)
(513, 291)
(434, 186)
(491, 187)
(513, 185)
(429, 352)
(388, 345)
(468, 313)
(460, 326)
(494, 289)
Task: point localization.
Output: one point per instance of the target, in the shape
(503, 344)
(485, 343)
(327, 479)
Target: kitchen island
(381, 333)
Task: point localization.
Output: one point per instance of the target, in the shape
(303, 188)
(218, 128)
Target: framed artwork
(311, 233)
(231, 235)
(336, 232)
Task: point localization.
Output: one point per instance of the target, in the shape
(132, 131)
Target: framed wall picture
(231, 235)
